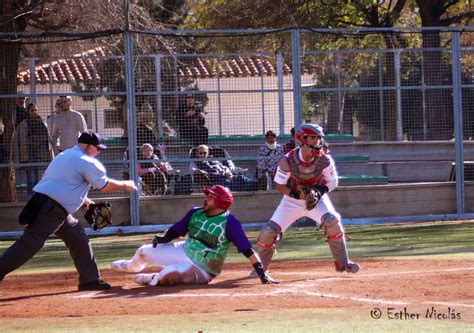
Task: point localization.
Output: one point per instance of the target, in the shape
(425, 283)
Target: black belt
(46, 198)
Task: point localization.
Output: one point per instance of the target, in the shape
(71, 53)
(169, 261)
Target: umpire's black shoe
(95, 285)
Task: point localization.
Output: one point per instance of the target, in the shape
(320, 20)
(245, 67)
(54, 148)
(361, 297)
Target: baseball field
(415, 277)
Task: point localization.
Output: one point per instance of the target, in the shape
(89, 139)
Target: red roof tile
(74, 69)
(81, 67)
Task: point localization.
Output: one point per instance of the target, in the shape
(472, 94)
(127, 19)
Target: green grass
(406, 241)
(300, 320)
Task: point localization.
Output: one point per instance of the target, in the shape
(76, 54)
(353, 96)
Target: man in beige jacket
(67, 126)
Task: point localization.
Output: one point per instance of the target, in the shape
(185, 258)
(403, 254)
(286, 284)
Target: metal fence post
(457, 108)
(262, 87)
(132, 127)
(398, 81)
(159, 109)
(281, 105)
(381, 100)
(32, 95)
(296, 68)
(219, 103)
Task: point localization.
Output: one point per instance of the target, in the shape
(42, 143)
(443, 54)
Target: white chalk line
(345, 276)
(296, 289)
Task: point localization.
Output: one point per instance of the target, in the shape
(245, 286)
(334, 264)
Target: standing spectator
(67, 126)
(292, 144)
(50, 118)
(269, 153)
(62, 191)
(20, 109)
(191, 122)
(152, 171)
(50, 121)
(31, 145)
(145, 119)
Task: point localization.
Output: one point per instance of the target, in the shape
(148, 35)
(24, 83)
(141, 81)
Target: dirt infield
(433, 288)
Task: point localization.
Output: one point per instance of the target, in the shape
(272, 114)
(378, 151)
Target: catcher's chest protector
(306, 173)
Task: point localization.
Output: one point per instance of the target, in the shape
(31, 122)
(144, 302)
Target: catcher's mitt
(99, 215)
(312, 196)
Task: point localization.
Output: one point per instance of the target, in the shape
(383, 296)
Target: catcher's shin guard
(269, 234)
(337, 243)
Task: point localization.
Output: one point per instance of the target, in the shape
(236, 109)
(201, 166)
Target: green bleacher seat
(114, 141)
(352, 158)
(362, 180)
(228, 139)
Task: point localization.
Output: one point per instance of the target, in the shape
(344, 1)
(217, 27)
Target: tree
(103, 18)
(439, 13)
(316, 14)
(13, 18)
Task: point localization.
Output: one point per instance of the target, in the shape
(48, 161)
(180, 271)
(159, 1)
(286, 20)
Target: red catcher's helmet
(310, 129)
(223, 196)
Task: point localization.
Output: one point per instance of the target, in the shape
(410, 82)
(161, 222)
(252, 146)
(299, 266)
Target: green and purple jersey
(209, 238)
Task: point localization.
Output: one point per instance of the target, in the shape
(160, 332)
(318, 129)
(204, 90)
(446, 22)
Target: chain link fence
(394, 105)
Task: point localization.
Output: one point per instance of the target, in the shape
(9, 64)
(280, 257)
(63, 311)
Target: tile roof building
(81, 67)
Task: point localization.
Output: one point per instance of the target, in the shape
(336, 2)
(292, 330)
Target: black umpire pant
(51, 218)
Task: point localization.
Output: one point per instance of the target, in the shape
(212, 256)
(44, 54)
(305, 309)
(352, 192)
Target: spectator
(218, 174)
(292, 144)
(50, 118)
(191, 122)
(153, 172)
(269, 153)
(50, 121)
(145, 119)
(31, 145)
(20, 109)
(67, 126)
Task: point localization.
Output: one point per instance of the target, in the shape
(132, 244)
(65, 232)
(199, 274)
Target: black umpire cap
(91, 138)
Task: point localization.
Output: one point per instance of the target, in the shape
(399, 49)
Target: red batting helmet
(223, 196)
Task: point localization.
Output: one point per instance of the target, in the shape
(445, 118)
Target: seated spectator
(219, 152)
(211, 172)
(191, 121)
(292, 144)
(152, 171)
(269, 154)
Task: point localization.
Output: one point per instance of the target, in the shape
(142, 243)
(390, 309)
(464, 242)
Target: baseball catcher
(200, 258)
(305, 176)
(98, 215)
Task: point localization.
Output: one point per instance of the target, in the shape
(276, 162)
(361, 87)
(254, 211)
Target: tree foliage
(19, 16)
(352, 14)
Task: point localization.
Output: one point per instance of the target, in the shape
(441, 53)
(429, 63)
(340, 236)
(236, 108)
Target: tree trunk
(333, 114)
(9, 57)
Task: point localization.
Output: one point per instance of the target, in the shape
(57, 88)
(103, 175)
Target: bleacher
(353, 169)
(226, 140)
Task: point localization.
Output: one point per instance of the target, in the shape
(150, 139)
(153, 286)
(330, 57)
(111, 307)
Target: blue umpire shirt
(69, 177)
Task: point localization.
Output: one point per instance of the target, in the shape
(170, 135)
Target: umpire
(61, 192)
